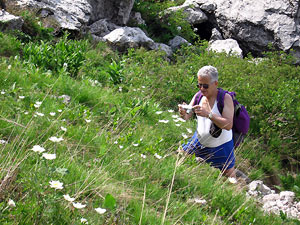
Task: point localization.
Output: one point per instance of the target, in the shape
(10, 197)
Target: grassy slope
(90, 163)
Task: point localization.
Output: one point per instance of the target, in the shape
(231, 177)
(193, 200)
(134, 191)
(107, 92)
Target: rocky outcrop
(229, 46)
(10, 22)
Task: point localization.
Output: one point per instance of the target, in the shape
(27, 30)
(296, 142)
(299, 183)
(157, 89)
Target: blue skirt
(221, 157)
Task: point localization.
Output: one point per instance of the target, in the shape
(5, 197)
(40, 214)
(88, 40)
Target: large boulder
(77, 14)
(10, 22)
(129, 37)
(229, 46)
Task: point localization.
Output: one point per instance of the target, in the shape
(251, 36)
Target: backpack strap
(198, 98)
(220, 99)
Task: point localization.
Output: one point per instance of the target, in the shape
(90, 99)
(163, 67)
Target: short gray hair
(208, 71)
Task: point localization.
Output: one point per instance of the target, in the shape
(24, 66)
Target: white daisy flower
(179, 28)
(56, 184)
(63, 129)
(9, 67)
(163, 121)
(39, 114)
(37, 104)
(11, 203)
(143, 156)
(200, 201)
(2, 92)
(176, 120)
(59, 110)
(100, 210)
(116, 142)
(170, 110)
(121, 146)
(159, 112)
(21, 97)
(52, 113)
(87, 120)
(55, 139)
(84, 221)
(68, 198)
(175, 116)
(143, 87)
(182, 120)
(157, 156)
(177, 124)
(184, 136)
(135, 145)
(3, 142)
(26, 113)
(37, 148)
(78, 205)
(49, 156)
(189, 130)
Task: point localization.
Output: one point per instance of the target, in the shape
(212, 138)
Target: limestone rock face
(10, 22)
(128, 37)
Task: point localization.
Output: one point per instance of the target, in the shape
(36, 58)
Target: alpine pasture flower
(175, 116)
(163, 121)
(116, 142)
(63, 129)
(21, 97)
(39, 114)
(87, 120)
(184, 135)
(26, 113)
(78, 205)
(52, 113)
(157, 156)
(11, 203)
(159, 112)
(135, 144)
(37, 104)
(232, 180)
(2, 92)
(143, 156)
(56, 184)
(9, 67)
(170, 110)
(59, 110)
(3, 142)
(121, 146)
(100, 210)
(49, 156)
(37, 148)
(68, 198)
(177, 124)
(182, 120)
(55, 139)
(189, 130)
(84, 221)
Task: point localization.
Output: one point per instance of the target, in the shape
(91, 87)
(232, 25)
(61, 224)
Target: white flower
(120, 89)
(163, 121)
(178, 28)
(177, 124)
(158, 112)
(200, 201)
(59, 110)
(39, 114)
(55, 139)
(116, 142)
(161, 140)
(87, 120)
(52, 113)
(11, 203)
(176, 120)
(143, 87)
(37, 148)
(100, 210)
(170, 110)
(143, 156)
(21, 97)
(184, 136)
(232, 180)
(37, 104)
(68, 198)
(121, 146)
(65, 65)
(182, 120)
(78, 205)
(135, 145)
(83, 220)
(157, 156)
(195, 29)
(141, 139)
(63, 129)
(2, 92)
(26, 113)
(49, 156)
(56, 184)
(175, 116)
(189, 130)
(3, 142)
(9, 67)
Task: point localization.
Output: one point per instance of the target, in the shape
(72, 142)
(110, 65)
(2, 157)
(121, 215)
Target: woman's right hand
(182, 111)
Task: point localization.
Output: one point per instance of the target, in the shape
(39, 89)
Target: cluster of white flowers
(56, 139)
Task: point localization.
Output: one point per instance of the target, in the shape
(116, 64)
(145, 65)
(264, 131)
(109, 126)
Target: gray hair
(208, 71)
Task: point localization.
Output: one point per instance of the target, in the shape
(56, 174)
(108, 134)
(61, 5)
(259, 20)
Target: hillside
(80, 120)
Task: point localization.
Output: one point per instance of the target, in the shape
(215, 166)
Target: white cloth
(203, 127)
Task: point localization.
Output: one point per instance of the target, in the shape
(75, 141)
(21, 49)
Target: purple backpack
(241, 119)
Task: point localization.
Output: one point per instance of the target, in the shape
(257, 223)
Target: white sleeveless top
(203, 127)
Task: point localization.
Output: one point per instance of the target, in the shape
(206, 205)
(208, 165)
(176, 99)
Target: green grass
(113, 122)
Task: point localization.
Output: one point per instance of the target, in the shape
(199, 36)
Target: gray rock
(164, 47)
(271, 197)
(177, 42)
(215, 35)
(136, 19)
(229, 46)
(102, 27)
(10, 22)
(128, 37)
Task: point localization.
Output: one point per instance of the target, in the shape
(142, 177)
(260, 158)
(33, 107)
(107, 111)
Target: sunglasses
(205, 86)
